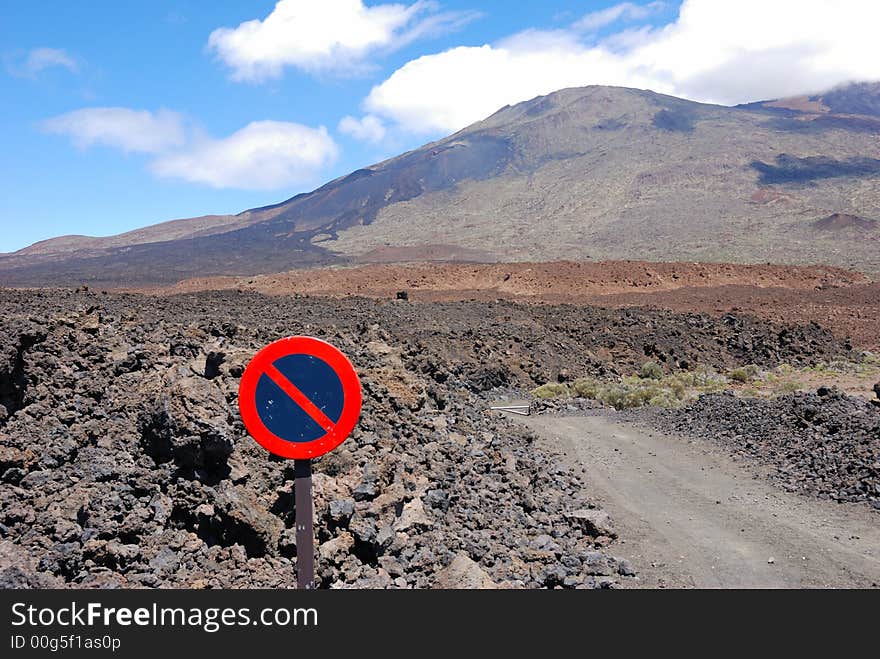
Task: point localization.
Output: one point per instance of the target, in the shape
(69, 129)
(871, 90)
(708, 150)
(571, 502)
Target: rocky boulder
(188, 422)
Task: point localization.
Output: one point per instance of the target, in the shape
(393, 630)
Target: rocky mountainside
(587, 173)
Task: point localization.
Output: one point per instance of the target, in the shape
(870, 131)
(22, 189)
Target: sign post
(300, 398)
(305, 535)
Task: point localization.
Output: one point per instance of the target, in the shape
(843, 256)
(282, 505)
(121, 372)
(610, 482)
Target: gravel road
(692, 517)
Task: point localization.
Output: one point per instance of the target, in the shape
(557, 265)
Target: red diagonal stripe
(300, 398)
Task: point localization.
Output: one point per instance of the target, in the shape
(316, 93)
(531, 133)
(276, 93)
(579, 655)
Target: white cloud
(130, 130)
(367, 129)
(263, 155)
(715, 51)
(446, 92)
(328, 35)
(623, 11)
(39, 59)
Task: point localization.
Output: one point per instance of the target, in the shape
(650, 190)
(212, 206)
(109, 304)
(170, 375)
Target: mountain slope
(610, 173)
(860, 99)
(595, 172)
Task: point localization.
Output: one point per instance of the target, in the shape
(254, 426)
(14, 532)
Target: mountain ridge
(583, 173)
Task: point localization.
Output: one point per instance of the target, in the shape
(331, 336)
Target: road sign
(299, 397)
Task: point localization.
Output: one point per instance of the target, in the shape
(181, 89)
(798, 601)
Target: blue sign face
(282, 408)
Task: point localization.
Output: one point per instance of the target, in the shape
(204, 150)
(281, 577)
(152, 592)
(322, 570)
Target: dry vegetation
(654, 387)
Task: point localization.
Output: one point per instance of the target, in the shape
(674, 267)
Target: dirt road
(688, 516)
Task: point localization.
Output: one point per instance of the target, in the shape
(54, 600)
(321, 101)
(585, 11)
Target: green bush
(708, 380)
(586, 387)
(633, 391)
(650, 387)
(551, 390)
(664, 399)
(678, 388)
(651, 371)
(786, 387)
(744, 374)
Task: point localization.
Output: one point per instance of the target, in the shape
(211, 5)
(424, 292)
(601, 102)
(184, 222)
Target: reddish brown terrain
(844, 301)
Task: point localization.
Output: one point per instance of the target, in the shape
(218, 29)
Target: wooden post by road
(305, 536)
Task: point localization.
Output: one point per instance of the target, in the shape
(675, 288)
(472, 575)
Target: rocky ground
(846, 302)
(123, 460)
(825, 444)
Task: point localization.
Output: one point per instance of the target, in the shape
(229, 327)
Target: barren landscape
(847, 302)
(125, 462)
(707, 415)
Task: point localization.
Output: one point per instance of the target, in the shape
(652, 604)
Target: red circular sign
(299, 397)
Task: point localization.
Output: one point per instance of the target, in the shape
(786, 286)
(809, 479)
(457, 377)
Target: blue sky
(116, 115)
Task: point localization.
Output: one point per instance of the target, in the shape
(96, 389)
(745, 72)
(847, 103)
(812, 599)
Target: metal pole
(305, 538)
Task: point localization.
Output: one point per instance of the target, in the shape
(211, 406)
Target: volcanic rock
(464, 573)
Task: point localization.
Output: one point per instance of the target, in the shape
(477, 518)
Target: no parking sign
(300, 398)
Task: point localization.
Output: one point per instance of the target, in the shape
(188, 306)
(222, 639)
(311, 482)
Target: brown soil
(799, 103)
(846, 302)
(770, 196)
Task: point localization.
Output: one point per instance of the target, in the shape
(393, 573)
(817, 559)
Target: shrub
(651, 371)
(678, 387)
(704, 378)
(636, 392)
(650, 387)
(744, 374)
(586, 388)
(709, 380)
(664, 399)
(786, 387)
(551, 390)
